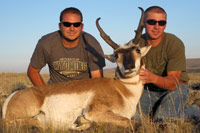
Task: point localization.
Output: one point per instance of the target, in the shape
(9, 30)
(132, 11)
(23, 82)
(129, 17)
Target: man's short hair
(71, 10)
(155, 9)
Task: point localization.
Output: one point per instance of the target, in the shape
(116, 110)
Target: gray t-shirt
(68, 63)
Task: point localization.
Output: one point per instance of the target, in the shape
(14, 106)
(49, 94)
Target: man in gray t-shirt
(70, 53)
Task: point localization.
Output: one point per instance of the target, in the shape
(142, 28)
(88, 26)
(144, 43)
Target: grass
(12, 81)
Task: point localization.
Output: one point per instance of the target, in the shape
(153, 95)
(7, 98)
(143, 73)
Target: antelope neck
(128, 82)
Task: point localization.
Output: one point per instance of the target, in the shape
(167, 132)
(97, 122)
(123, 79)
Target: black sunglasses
(153, 22)
(68, 24)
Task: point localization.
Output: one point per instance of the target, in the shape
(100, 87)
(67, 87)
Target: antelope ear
(145, 49)
(111, 58)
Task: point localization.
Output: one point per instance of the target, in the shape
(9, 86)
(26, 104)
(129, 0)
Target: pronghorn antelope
(75, 104)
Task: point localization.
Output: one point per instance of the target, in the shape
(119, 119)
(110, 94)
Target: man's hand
(170, 82)
(146, 76)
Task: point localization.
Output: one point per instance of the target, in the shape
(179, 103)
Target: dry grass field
(11, 81)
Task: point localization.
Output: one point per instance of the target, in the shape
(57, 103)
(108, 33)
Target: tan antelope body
(75, 104)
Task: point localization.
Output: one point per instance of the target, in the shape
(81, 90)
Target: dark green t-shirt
(169, 55)
(68, 63)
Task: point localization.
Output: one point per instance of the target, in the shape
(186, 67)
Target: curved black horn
(138, 32)
(106, 38)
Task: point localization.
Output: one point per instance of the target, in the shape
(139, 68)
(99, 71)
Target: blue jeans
(165, 104)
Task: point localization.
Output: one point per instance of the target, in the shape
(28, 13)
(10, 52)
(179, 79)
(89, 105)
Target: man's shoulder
(49, 40)
(172, 39)
(90, 39)
(142, 40)
(88, 36)
(51, 35)
(171, 36)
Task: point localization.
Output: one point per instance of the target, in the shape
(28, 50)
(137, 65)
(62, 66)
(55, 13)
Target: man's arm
(97, 73)
(169, 82)
(34, 76)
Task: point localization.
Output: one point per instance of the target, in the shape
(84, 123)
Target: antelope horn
(138, 32)
(106, 38)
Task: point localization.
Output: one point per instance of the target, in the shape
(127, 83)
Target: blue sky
(23, 22)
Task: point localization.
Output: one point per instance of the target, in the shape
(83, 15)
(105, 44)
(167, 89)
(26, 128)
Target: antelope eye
(138, 51)
(116, 56)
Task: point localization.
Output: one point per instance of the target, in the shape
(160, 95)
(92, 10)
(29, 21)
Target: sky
(24, 22)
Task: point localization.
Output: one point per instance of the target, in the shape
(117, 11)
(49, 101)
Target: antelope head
(127, 57)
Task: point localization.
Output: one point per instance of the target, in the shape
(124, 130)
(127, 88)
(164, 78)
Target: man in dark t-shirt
(165, 79)
(70, 53)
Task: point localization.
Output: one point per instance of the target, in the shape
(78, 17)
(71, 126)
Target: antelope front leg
(112, 118)
(103, 115)
(81, 124)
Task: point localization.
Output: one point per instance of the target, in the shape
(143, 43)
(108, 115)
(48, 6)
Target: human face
(71, 33)
(154, 32)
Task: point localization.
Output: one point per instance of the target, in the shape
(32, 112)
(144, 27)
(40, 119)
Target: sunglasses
(153, 22)
(68, 24)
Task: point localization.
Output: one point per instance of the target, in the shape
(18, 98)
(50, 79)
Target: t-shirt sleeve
(96, 55)
(38, 59)
(176, 56)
